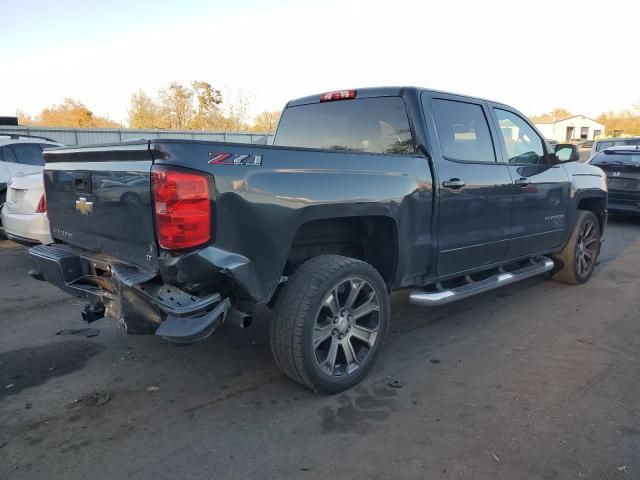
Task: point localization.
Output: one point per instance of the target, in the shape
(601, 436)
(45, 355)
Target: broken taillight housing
(182, 207)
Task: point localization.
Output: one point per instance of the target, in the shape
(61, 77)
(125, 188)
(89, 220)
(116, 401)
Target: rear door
(541, 189)
(474, 189)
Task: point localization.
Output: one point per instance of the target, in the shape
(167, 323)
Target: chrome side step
(442, 296)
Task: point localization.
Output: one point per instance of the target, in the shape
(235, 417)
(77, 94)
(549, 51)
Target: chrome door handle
(454, 184)
(523, 182)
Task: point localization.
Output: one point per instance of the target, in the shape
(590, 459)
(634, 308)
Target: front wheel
(331, 320)
(580, 254)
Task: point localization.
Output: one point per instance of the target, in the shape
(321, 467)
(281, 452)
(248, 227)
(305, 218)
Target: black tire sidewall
(321, 379)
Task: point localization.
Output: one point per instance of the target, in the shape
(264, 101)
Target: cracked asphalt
(538, 380)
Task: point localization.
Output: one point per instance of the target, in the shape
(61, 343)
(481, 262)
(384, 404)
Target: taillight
(339, 95)
(182, 207)
(42, 205)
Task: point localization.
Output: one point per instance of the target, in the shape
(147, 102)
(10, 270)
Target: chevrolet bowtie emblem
(84, 207)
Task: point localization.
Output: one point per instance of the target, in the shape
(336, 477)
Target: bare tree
(176, 104)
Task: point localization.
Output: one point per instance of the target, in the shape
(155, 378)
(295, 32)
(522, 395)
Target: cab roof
(369, 92)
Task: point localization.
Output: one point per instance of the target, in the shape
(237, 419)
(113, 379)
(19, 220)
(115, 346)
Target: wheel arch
(370, 238)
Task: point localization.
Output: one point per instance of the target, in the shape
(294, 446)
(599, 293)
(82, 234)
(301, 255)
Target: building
(571, 129)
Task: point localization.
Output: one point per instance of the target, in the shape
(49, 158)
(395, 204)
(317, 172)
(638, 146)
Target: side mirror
(567, 152)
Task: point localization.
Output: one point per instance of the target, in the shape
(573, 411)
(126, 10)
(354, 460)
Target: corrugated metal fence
(87, 136)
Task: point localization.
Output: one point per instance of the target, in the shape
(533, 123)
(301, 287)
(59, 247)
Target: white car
(24, 215)
(20, 155)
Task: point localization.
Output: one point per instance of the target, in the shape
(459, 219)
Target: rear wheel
(330, 323)
(580, 254)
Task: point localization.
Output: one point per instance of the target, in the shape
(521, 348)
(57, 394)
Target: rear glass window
(8, 155)
(28, 153)
(605, 158)
(375, 125)
(616, 143)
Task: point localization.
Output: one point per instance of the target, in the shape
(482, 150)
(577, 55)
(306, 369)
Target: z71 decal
(222, 158)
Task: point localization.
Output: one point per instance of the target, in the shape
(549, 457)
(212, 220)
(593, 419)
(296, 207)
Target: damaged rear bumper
(137, 299)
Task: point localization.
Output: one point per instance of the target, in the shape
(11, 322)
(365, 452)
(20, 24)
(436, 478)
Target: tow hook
(91, 314)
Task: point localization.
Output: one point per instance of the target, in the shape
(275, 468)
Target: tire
(322, 345)
(585, 237)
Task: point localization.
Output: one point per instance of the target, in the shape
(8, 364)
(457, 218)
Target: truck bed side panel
(259, 208)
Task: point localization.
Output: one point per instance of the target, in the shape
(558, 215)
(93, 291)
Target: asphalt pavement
(538, 380)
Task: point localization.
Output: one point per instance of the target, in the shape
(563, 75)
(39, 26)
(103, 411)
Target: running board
(440, 297)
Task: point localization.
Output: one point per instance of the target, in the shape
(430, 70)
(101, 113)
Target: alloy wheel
(346, 327)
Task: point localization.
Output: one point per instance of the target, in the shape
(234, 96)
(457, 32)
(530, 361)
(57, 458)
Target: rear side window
(463, 131)
(374, 125)
(28, 153)
(9, 155)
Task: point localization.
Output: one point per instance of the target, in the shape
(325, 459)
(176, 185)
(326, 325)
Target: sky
(534, 56)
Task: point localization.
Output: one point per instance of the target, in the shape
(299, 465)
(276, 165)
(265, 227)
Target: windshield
(375, 125)
(631, 158)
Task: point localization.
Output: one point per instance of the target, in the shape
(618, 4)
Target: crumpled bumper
(137, 299)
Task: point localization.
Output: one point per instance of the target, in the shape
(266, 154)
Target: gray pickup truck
(362, 193)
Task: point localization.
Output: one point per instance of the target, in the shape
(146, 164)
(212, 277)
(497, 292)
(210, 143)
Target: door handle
(454, 184)
(523, 182)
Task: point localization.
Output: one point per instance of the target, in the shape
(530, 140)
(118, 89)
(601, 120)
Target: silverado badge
(84, 207)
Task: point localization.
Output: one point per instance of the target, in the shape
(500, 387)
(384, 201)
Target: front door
(541, 188)
(474, 189)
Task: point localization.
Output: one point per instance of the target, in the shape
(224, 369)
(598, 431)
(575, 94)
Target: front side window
(522, 143)
(28, 153)
(463, 131)
(374, 125)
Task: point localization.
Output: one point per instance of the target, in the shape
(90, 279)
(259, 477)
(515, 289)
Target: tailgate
(99, 199)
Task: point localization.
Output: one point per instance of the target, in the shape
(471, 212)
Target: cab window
(521, 142)
(463, 131)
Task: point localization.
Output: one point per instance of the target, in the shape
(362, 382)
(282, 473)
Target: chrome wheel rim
(346, 327)
(586, 248)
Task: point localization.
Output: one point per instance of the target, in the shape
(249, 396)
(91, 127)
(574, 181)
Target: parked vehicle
(24, 215)
(20, 155)
(363, 192)
(603, 143)
(622, 167)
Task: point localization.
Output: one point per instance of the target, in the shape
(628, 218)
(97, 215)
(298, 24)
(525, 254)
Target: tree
(266, 122)
(71, 113)
(24, 118)
(237, 112)
(207, 113)
(176, 106)
(626, 121)
(144, 112)
(552, 116)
